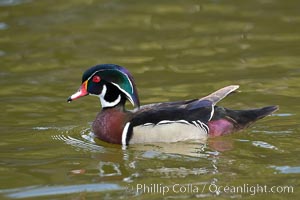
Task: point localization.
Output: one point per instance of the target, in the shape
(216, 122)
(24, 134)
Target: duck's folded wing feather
(174, 111)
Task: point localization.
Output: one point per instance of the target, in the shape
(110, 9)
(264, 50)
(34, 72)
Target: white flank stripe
(184, 122)
(207, 128)
(197, 125)
(204, 126)
(200, 123)
(170, 122)
(165, 122)
(212, 112)
(148, 124)
(124, 134)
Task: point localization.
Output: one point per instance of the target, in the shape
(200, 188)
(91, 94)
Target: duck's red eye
(96, 79)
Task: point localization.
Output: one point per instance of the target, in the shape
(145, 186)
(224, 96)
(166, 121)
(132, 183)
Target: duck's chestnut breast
(109, 125)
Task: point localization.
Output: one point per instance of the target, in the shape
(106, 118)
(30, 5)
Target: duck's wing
(189, 110)
(173, 111)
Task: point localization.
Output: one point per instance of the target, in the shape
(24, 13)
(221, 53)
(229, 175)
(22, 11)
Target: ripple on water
(264, 145)
(178, 171)
(287, 169)
(3, 26)
(39, 191)
(79, 144)
(2, 53)
(109, 169)
(12, 2)
(283, 114)
(87, 144)
(189, 149)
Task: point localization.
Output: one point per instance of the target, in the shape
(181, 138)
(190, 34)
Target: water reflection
(264, 145)
(2, 53)
(193, 149)
(287, 169)
(125, 163)
(3, 26)
(109, 169)
(42, 191)
(167, 172)
(12, 2)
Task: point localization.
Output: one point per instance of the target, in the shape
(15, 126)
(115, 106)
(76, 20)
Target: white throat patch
(105, 103)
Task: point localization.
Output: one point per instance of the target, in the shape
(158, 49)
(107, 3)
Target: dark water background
(175, 50)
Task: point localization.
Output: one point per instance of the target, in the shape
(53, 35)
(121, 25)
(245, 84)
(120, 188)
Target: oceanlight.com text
(213, 188)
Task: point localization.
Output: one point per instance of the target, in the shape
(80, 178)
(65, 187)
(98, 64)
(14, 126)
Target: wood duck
(194, 119)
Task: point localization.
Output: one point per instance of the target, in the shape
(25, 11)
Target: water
(175, 50)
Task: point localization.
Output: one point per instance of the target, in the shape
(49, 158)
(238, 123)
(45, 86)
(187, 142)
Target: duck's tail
(225, 120)
(244, 118)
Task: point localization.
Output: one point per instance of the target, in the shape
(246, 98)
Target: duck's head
(113, 84)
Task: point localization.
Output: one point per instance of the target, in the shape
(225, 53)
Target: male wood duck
(159, 122)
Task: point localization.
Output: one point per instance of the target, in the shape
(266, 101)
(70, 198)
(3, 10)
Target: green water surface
(175, 50)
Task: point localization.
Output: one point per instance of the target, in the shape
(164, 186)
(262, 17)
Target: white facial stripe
(129, 82)
(104, 90)
(105, 103)
(126, 93)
